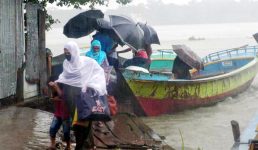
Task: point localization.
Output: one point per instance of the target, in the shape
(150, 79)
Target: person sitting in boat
(148, 50)
(108, 45)
(181, 69)
(140, 58)
(97, 53)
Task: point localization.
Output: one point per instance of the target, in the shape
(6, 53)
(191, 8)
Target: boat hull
(166, 97)
(171, 105)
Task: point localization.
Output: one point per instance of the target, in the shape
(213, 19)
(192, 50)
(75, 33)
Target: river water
(207, 128)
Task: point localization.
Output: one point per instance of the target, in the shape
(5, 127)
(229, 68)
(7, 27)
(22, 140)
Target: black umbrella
(123, 30)
(256, 37)
(103, 25)
(150, 35)
(82, 24)
(188, 56)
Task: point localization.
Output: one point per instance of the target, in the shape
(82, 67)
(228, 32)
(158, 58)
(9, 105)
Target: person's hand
(149, 61)
(56, 98)
(113, 49)
(52, 84)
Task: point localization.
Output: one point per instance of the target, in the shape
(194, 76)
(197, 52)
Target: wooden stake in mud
(236, 131)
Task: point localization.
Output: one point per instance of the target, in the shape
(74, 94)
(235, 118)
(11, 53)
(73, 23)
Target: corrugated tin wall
(11, 44)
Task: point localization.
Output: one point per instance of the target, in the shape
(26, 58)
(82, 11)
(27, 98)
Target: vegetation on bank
(71, 3)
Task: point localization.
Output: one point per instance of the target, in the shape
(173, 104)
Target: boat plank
(126, 131)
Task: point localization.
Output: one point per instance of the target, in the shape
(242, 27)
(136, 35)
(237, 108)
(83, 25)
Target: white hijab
(82, 71)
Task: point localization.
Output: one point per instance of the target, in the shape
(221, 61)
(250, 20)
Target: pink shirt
(142, 54)
(61, 109)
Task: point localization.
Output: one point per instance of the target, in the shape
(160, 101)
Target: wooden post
(236, 131)
(20, 83)
(19, 48)
(32, 44)
(43, 72)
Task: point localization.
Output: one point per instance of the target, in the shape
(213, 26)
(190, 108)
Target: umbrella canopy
(256, 37)
(188, 56)
(123, 30)
(103, 25)
(82, 24)
(150, 35)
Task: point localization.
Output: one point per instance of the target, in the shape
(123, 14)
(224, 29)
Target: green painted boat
(226, 73)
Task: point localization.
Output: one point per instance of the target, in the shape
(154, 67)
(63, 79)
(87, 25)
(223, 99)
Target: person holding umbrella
(148, 50)
(109, 46)
(140, 58)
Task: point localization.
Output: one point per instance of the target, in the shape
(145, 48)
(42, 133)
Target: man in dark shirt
(181, 69)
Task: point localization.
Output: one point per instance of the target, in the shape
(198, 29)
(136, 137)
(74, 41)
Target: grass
(182, 140)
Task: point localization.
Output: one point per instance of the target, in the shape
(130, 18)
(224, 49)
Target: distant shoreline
(61, 25)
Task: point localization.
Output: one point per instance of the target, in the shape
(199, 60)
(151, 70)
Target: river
(207, 128)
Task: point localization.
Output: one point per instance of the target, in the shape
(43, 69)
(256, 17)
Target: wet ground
(24, 128)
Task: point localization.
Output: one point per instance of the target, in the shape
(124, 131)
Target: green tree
(71, 3)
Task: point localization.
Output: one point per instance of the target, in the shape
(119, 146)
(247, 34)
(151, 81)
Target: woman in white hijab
(80, 71)
(79, 74)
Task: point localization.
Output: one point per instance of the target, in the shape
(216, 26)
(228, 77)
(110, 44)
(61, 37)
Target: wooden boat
(226, 73)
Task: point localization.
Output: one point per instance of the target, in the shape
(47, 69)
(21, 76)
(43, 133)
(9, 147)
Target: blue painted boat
(155, 91)
(226, 73)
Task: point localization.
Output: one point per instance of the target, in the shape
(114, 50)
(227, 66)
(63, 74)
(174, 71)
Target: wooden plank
(42, 52)
(125, 131)
(19, 38)
(32, 44)
(19, 50)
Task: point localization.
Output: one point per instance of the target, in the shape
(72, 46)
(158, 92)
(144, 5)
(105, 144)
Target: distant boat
(226, 73)
(193, 38)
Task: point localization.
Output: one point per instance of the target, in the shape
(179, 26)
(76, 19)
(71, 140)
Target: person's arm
(104, 63)
(112, 49)
(148, 51)
(57, 88)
